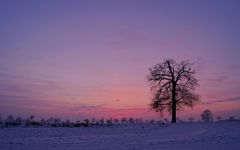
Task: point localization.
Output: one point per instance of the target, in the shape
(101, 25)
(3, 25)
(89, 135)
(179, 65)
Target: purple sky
(77, 59)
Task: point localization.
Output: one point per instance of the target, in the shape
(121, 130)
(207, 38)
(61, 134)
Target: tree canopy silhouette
(172, 85)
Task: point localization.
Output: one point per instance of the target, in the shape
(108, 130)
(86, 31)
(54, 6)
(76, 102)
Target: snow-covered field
(181, 136)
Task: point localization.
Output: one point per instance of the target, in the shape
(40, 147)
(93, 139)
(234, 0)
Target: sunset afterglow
(89, 59)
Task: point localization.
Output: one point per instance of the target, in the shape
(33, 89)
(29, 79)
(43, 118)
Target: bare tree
(172, 85)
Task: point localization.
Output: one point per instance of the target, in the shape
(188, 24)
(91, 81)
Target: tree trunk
(174, 118)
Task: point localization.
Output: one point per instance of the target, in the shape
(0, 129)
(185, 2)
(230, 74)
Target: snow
(181, 136)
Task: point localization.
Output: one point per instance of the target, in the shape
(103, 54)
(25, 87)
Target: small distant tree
(207, 116)
(152, 121)
(32, 118)
(139, 120)
(43, 122)
(67, 123)
(77, 123)
(93, 121)
(96, 122)
(131, 120)
(116, 121)
(56, 122)
(109, 122)
(101, 121)
(86, 122)
(191, 119)
(124, 120)
(160, 122)
(219, 118)
(10, 120)
(1, 120)
(172, 86)
(19, 120)
(232, 118)
(166, 120)
(179, 120)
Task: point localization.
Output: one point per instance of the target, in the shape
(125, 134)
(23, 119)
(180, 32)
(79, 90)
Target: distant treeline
(11, 121)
